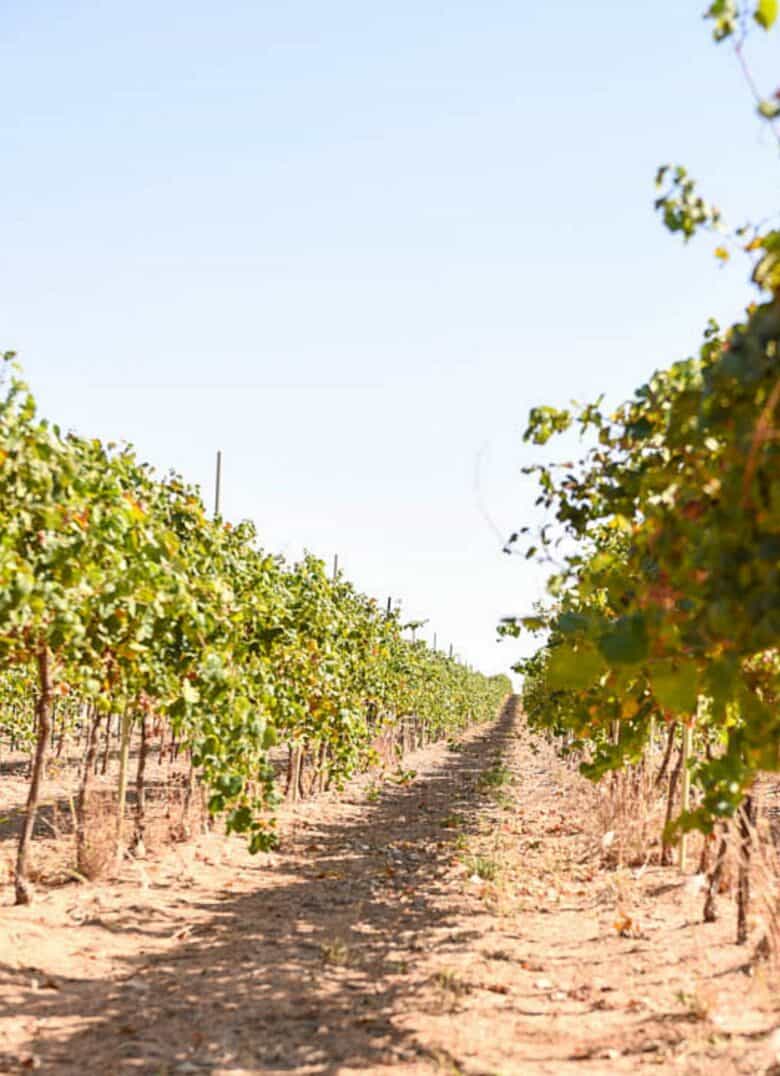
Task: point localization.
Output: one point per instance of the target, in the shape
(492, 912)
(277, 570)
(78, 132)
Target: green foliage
(682, 209)
(146, 605)
(724, 14)
(667, 606)
(728, 16)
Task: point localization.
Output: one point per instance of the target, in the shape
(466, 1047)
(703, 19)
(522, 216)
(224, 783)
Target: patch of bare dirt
(454, 922)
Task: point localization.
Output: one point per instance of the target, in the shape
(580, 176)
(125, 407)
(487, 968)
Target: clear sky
(351, 244)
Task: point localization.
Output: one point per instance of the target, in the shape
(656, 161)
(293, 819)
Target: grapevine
(666, 608)
(122, 602)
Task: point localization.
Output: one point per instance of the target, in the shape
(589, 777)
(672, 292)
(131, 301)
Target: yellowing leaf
(766, 13)
(629, 707)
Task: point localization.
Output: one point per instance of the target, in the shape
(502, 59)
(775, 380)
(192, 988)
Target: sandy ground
(458, 923)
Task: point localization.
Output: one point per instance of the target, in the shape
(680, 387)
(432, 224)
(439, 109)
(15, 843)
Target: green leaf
(625, 643)
(676, 687)
(239, 820)
(178, 708)
(573, 668)
(721, 679)
(724, 13)
(766, 13)
(230, 785)
(571, 623)
(262, 840)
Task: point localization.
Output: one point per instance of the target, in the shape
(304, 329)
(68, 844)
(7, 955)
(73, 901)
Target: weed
(446, 1063)
(697, 1007)
(496, 777)
(450, 987)
(334, 952)
(483, 867)
(403, 777)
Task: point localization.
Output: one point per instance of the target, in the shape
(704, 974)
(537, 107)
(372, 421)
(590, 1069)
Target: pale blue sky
(351, 244)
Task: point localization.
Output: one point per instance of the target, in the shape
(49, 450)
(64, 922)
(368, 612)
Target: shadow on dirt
(308, 975)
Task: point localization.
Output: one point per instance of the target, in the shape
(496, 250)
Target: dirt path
(458, 923)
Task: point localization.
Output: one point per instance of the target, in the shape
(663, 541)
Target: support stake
(685, 797)
(218, 485)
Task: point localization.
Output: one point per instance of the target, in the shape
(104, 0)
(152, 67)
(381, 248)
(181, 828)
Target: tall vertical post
(450, 651)
(218, 485)
(686, 789)
(335, 565)
(389, 606)
(434, 642)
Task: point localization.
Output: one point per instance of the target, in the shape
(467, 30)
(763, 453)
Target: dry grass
(169, 822)
(628, 819)
(625, 832)
(96, 854)
(766, 878)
